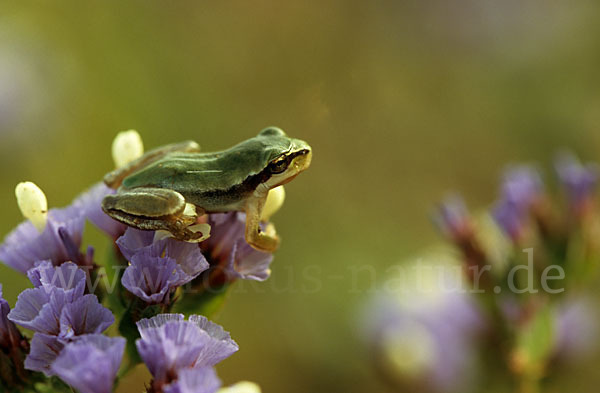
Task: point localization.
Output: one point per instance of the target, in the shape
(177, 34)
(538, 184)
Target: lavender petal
(90, 363)
(195, 380)
(84, 316)
(44, 350)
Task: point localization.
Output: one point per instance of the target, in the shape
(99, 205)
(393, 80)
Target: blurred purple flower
(521, 187)
(169, 344)
(424, 331)
(578, 180)
(90, 204)
(227, 247)
(195, 380)
(9, 334)
(90, 363)
(510, 218)
(452, 217)
(59, 242)
(577, 329)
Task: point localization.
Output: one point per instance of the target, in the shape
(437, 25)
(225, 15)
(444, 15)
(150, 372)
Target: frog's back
(217, 181)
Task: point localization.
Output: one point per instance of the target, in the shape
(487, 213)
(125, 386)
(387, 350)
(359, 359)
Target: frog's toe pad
(200, 232)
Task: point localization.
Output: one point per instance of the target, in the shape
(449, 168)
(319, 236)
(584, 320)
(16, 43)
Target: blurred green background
(400, 100)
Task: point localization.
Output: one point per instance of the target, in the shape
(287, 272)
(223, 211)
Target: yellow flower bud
(126, 147)
(33, 204)
(274, 202)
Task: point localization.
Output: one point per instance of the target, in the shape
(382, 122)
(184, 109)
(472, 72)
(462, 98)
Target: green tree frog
(170, 187)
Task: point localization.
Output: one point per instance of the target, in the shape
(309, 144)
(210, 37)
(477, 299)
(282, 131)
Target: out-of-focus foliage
(399, 100)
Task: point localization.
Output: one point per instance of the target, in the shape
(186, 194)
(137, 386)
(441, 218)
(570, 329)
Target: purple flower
(521, 187)
(59, 242)
(9, 334)
(158, 267)
(57, 310)
(195, 380)
(422, 328)
(187, 255)
(577, 329)
(579, 181)
(134, 240)
(510, 218)
(227, 247)
(43, 351)
(153, 278)
(90, 204)
(90, 363)
(169, 343)
(84, 316)
(67, 276)
(39, 308)
(452, 217)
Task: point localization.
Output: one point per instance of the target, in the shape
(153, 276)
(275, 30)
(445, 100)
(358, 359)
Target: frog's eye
(278, 165)
(272, 131)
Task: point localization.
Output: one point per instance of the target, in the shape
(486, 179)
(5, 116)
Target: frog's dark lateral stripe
(241, 191)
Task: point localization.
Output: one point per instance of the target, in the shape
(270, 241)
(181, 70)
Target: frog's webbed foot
(115, 178)
(266, 240)
(155, 209)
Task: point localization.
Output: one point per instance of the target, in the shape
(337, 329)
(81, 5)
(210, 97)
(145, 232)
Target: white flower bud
(241, 387)
(274, 202)
(126, 147)
(33, 204)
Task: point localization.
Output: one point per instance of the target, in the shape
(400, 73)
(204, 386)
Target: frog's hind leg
(113, 179)
(153, 209)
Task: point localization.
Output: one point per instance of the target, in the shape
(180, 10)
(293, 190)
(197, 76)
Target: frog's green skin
(152, 191)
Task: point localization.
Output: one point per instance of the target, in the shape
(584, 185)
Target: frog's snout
(303, 160)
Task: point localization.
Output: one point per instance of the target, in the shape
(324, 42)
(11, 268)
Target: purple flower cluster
(180, 354)
(68, 323)
(158, 267)
(539, 326)
(65, 320)
(522, 198)
(60, 241)
(423, 332)
(227, 247)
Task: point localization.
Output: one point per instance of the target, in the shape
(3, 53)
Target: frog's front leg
(115, 178)
(263, 241)
(153, 209)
